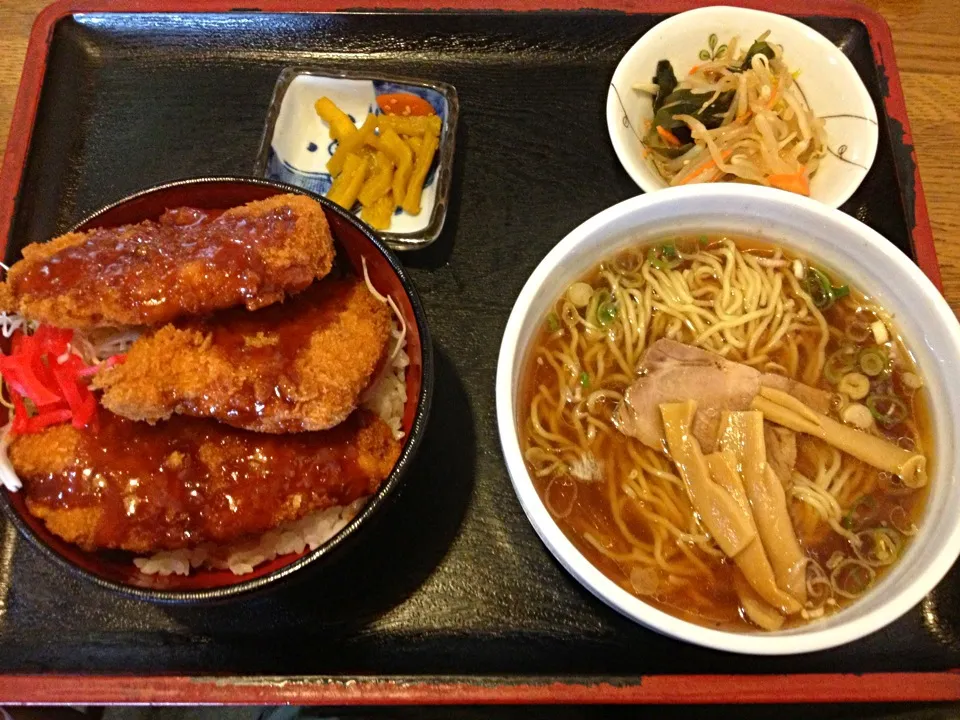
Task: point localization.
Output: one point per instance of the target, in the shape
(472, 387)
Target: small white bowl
(831, 85)
(836, 240)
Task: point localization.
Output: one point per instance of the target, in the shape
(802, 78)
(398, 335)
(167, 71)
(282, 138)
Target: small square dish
(297, 143)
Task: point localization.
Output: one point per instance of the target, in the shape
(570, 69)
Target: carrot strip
(791, 182)
(708, 165)
(774, 96)
(668, 137)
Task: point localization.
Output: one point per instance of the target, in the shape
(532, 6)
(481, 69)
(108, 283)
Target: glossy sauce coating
(294, 366)
(145, 488)
(188, 262)
(274, 341)
(144, 261)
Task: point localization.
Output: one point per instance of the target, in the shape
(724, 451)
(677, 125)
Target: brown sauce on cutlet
(179, 483)
(143, 263)
(271, 340)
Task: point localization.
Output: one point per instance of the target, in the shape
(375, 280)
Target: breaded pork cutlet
(147, 488)
(296, 366)
(189, 262)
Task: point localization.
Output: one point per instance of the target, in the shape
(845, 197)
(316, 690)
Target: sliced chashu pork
(674, 372)
(781, 445)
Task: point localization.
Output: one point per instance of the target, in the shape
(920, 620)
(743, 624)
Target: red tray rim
(260, 690)
(652, 689)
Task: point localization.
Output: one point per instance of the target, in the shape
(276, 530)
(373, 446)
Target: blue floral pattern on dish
(300, 144)
(282, 171)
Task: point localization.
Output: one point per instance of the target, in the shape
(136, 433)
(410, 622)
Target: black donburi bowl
(354, 240)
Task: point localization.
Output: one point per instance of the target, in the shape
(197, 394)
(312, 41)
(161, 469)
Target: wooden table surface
(926, 35)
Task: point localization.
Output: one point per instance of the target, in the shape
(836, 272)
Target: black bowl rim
(400, 469)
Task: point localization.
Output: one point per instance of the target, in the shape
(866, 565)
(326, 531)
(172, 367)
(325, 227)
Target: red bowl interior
(353, 241)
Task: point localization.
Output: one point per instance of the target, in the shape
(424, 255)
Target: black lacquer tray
(450, 597)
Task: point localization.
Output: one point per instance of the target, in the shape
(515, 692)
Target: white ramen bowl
(834, 240)
(829, 82)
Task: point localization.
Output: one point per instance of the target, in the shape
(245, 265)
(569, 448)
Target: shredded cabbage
(402, 339)
(11, 322)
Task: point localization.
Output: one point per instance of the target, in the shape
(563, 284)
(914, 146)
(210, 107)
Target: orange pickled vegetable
(404, 104)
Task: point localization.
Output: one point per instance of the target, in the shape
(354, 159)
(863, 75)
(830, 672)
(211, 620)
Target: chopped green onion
(704, 240)
(888, 410)
(654, 260)
(911, 381)
(840, 363)
(597, 300)
(860, 578)
(584, 380)
(821, 290)
(818, 288)
(600, 299)
(868, 502)
(579, 294)
(664, 257)
(858, 331)
(669, 252)
(606, 313)
(553, 322)
(855, 385)
(872, 361)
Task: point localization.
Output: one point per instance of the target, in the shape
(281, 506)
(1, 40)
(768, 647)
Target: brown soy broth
(880, 507)
(590, 512)
(585, 508)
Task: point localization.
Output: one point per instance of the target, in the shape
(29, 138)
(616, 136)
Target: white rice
(308, 532)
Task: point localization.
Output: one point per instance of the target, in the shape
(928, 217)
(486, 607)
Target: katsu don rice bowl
(209, 385)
